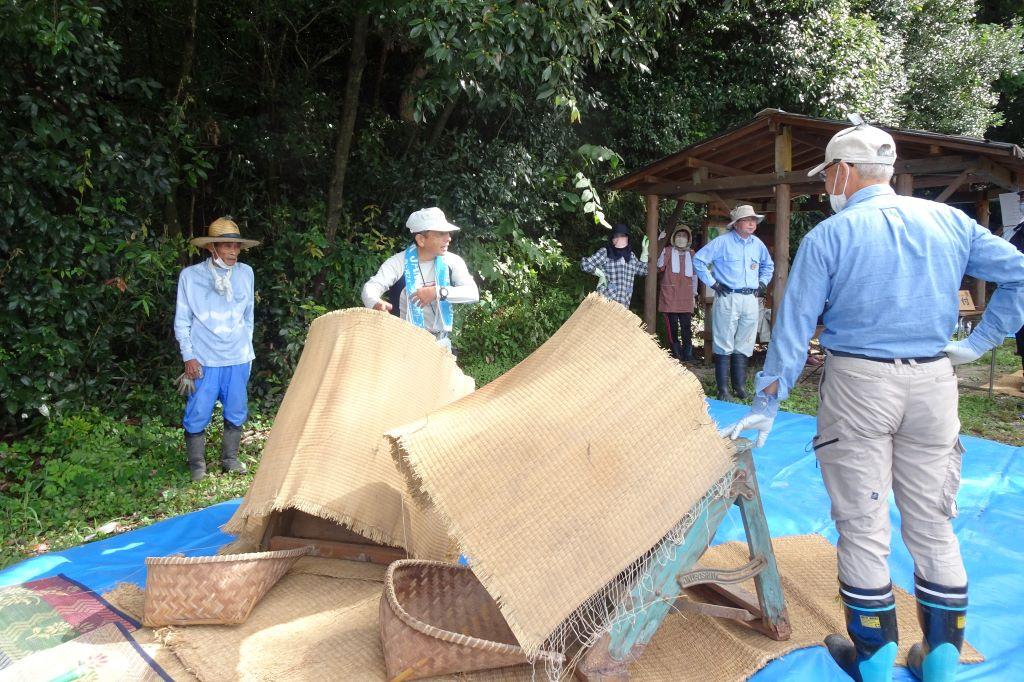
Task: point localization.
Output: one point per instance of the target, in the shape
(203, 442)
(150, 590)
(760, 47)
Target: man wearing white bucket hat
(213, 323)
(885, 269)
(434, 277)
(738, 267)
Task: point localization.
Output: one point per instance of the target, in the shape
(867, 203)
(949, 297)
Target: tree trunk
(442, 121)
(350, 102)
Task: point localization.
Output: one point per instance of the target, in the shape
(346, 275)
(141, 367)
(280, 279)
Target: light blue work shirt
(737, 263)
(886, 271)
(210, 328)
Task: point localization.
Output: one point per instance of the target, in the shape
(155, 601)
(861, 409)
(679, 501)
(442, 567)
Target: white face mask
(838, 201)
(220, 264)
(681, 242)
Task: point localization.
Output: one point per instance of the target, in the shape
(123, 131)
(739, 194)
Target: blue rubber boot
(870, 653)
(942, 613)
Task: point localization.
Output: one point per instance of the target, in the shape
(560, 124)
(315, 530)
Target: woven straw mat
(318, 624)
(568, 468)
(361, 372)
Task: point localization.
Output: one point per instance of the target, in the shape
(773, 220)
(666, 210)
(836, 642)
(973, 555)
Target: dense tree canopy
(128, 126)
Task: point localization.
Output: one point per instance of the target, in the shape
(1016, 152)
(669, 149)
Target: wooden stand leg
(774, 617)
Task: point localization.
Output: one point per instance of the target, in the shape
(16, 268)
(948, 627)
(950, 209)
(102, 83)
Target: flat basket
(211, 590)
(437, 619)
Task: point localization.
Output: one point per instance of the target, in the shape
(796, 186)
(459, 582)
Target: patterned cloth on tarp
(106, 653)
(361, 373)
(558, 478)
(43, 613)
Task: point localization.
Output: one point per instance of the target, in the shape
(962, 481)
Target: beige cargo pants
(885, 427)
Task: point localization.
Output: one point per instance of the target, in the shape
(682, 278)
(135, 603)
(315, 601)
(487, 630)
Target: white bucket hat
(743, 211)
(860, 144)
(429, 219)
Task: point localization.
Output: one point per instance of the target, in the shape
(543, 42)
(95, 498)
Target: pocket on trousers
(827, 443)
(951, 486)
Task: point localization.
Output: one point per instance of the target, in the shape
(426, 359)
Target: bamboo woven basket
(211, 590)
(437, 619)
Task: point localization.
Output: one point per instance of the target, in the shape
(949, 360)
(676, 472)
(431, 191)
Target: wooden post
(651, 284)
(783, 210)
(905, 184)
(983, 213)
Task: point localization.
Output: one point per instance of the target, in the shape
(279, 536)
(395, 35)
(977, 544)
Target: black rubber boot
(229, 449)
(687, 344)
(738, 367)
(677, 350)
(195, 448)
(870, 653)
(722, 377)
(942, 614)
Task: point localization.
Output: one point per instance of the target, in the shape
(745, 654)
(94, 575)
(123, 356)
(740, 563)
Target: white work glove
(185, 385)
(601, 279)
(760, 418)
(961, 352)
(645, 249)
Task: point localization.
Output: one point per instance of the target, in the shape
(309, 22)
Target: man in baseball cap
(434, 277)
(884, 273)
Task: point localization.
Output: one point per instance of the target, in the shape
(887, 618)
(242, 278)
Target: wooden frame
(608, 660)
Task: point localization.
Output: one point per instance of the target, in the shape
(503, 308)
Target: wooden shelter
(764, 163)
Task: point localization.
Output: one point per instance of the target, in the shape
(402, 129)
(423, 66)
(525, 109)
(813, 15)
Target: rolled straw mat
(563, 472)
(318, 624)
(361, 372)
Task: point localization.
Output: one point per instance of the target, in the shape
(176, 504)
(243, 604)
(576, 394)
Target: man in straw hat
(885, 269)
(434, 277)
(738, 267)
(213, 323)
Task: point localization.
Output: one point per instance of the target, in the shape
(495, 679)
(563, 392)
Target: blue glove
(760, 418)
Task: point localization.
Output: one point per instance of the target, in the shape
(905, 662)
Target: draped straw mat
(563, 472)
(321, 623)
(361, 372)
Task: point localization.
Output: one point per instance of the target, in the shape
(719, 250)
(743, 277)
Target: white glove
(645, 249)
(761, 418)
(961, 352)
(601, 279)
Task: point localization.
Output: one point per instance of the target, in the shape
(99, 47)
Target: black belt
(891, 361)
(739, 291)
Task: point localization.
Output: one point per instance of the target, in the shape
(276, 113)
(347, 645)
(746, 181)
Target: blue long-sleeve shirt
(737, 263)
(886, 271)
(209, 328)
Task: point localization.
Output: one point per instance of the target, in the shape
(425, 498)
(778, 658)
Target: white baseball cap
(860, 144)
(743, 211)
(429, 219)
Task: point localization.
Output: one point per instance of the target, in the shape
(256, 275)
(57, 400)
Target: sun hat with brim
(677, 230)
(860, 144)
(743, 211)
(429, 219)
(223, 230)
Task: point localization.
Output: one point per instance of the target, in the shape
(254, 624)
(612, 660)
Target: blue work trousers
(227, 384)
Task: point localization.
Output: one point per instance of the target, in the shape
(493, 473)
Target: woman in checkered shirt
(616, 267)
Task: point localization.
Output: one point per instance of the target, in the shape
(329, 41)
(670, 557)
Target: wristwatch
(442, 293)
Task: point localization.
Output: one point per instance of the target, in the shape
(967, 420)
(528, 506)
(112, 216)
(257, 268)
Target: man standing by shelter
(885, 269)
(213, 323)
(740, 271)
(434, 277)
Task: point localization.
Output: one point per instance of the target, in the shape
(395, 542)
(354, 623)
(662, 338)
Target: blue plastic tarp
(990, 529)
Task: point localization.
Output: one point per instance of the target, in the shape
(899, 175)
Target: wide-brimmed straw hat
(223, 230)
(743, 211)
